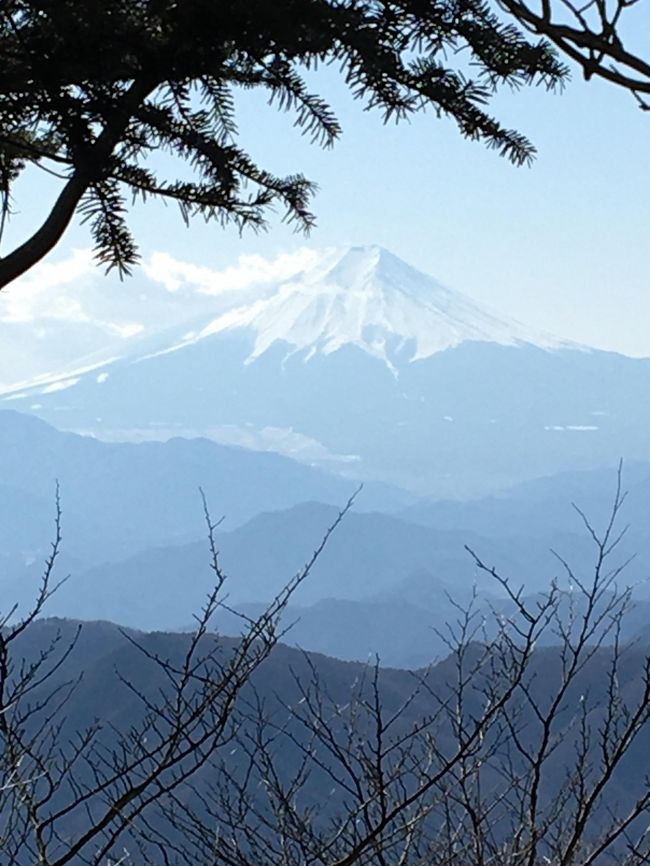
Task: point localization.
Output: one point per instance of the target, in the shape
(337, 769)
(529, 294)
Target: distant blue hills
(136, 551)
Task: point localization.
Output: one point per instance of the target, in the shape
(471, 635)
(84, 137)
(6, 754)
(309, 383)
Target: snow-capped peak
(367, 297)
(309, 302)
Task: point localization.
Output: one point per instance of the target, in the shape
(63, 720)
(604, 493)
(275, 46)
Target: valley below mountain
(135, 548)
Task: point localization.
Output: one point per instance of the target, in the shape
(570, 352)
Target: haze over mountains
(136, 551)
(354, 361)
(360, 368)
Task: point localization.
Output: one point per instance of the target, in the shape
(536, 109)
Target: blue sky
(563, 245)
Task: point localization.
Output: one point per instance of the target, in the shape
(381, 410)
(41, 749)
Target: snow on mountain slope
(366, 297)
(353, 360)
(312, 302)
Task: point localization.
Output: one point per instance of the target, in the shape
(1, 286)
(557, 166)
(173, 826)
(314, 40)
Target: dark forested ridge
(119, 672)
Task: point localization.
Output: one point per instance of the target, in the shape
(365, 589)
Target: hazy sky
(563, 245)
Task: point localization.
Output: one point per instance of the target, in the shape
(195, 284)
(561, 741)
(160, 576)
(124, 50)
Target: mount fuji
(368, 298)
(358, 362)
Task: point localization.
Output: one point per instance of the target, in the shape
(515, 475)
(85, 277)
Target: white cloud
(50, 274)
(67, 314)
(73, 290)
(31, 296)
(250, 270)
